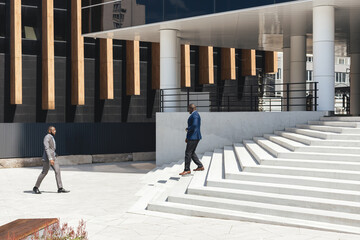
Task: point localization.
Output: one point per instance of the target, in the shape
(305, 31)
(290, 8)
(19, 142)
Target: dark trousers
(190, 154)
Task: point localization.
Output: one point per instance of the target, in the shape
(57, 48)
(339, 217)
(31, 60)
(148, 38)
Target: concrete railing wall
(220, 129)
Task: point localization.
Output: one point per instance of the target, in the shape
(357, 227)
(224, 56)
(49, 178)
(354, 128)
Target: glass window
(309, 75)
(341, 61)
(61, 4)
(30, 2)
(278, 74)
(2, 20)
(31, 26)
(60, 24)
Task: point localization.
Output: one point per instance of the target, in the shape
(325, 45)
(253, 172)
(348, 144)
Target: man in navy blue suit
(193, 137)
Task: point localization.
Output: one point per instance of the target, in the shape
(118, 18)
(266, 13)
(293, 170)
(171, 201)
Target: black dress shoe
(61, 190)
(36, 190)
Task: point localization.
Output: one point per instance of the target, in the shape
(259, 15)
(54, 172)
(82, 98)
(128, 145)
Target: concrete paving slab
(101, 194)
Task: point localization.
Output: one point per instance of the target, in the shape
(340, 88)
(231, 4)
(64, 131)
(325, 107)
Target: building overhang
(261, 28)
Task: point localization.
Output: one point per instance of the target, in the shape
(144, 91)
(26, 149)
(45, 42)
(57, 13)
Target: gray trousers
(45, 170)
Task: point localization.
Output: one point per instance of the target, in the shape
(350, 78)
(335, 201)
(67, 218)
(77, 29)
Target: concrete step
(342, 218)
(342, 119)
(278, 199)
(270, 146)
(216, 167)
(323, 135)
(190, 210)
(296, 180)
(345, 130)
(312, 164)
(287, 189)
(244, 157)
(300, 147)
(285, 142)
(306, 172)
(256, 151)
(281, 152)
(199, 178)
(316, 141)
(230, 161)
(335, 124)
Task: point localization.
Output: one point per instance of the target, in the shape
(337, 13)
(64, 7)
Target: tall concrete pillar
(324, 53)
(169, 68)
(298, 73)
(298, 62)
(355, 63)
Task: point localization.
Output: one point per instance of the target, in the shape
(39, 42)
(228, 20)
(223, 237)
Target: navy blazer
(194, 123)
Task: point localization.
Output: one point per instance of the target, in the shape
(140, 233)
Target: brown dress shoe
(199, 169)
(185, 173)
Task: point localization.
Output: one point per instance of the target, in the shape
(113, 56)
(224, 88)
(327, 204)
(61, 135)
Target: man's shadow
(32, 192)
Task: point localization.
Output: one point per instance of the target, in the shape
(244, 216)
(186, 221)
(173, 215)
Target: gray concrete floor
(101, 194)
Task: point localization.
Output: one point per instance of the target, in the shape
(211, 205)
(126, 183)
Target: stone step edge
(242, 216)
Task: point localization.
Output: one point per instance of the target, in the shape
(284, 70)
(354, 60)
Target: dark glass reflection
(2, 20)
(31, 2)
(60, 23)
(61, 4)
(85, 3)
(127, 13)
(31, 26)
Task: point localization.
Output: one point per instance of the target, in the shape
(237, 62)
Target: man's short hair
(50, 127)
(193, 106)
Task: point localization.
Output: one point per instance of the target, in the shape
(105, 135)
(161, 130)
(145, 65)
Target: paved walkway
(102, 193)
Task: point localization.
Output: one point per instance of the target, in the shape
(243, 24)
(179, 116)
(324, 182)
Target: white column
(169, 68)
(298, 73)
(324, 54)
(355, 63)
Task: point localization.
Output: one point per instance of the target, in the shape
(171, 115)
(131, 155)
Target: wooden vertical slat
(248, 65)
(155, 65)
(48, 74)
(15, 53)
(228, 68)
(77, 56)
(132, 68)
(206, 65)
(271, 62)
(106, 69)
(185, 66)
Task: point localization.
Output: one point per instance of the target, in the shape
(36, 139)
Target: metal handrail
(259, 97)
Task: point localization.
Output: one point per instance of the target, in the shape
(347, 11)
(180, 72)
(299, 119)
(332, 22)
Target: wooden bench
(22, 228)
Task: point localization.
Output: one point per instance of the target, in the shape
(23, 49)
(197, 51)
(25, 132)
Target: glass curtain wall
(102, 15)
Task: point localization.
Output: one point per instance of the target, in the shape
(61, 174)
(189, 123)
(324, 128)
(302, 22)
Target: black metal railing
(264, 97)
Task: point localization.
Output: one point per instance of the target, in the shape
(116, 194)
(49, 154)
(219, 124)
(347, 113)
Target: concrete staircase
(308, 176)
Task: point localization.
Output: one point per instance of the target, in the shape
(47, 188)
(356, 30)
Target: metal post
(162, 100)
(316, 89)
(270, 104)
(188, 97)
(228, 103)
(288, 96)
(218, 99)
(251, 96)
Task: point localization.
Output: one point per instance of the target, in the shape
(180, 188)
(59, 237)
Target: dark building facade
(95, 115)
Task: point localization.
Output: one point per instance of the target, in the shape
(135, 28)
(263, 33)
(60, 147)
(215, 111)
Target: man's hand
(186, 140)
(52, 162)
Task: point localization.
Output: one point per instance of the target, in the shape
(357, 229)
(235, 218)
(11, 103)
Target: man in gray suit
(49, 159)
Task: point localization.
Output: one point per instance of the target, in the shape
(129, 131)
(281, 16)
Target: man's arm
(49, 152)
(194, 124)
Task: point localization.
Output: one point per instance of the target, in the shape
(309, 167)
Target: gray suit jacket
(49, 148)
